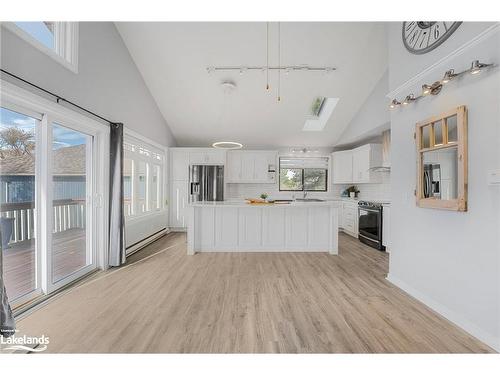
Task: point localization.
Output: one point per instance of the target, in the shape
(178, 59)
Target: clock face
(421, 37)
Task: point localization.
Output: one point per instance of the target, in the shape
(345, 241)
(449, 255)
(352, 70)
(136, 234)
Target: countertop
(238, 203)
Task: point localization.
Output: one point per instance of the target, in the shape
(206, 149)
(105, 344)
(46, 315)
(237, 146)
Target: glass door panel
(17, 203)
(71, 181)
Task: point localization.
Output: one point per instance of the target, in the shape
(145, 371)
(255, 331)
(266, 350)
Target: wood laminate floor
(168, 302)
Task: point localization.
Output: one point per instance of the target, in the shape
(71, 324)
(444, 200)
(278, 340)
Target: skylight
(317, 124)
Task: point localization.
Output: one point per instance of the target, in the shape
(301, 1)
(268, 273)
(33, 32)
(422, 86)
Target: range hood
(386, 154)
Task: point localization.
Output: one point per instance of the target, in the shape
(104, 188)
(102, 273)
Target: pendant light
(267, 56)
(279, 61)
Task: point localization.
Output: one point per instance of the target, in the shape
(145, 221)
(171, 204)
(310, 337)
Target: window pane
(315, 179)
(128, 168)
(69, 178)
(41, 31)
(452, 128)
(17, 202)
(291, 179)
(155, 187)
(438, 133)
(142, 186)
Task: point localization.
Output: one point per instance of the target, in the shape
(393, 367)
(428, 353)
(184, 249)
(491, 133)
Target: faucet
(305, 194)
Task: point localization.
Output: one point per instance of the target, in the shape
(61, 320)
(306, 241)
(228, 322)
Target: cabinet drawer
(350, 227)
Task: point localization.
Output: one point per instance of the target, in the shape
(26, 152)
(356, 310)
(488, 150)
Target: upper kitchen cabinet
(182, 157)
(342, 167)
(207, 157)
(179, 159)
(251, 167)
(357, 165)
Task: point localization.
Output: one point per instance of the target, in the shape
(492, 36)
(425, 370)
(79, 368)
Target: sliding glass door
(71, 250)
(51, 214)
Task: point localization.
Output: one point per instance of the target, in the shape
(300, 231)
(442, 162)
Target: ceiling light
(227, 145)
(394, 104)
(426, 89)
(410, 98)
(476, 67)
(448, 76)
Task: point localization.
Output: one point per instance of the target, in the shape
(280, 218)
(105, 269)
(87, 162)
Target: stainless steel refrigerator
(206, 183)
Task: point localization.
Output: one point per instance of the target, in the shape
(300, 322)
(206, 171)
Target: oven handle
(370, 209)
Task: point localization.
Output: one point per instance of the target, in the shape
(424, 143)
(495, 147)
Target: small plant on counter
(263, 196)
(353, 191)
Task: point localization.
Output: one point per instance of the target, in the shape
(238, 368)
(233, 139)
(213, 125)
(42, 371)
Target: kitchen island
(241, 227)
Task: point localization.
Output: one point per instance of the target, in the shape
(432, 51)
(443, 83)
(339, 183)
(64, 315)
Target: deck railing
(67, 214)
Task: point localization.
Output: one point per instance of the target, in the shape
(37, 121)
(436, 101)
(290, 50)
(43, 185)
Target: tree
(17, 140)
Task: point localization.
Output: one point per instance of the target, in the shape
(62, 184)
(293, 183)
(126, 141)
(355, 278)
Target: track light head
(477, 66)
(426, 89)
(394, 104)
(409, 98)
(448, 76)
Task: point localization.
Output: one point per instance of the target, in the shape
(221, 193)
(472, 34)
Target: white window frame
(11, 96)
(146, 145)
(66, 38)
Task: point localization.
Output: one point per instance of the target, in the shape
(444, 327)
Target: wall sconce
(435, 88)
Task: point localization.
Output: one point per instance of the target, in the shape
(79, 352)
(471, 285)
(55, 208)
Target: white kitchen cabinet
(342, 167)
(207, 157)
(386, 226)
(364, 158)
(178, 204)
(349, 218)
(354, 166)
(251, 167)
(179, 160)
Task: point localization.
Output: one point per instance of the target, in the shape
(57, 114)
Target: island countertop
(237, 226)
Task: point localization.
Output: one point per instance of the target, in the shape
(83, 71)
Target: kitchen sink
(309, 200)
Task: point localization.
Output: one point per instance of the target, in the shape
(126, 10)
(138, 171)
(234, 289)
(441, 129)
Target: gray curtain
(116, 244)
(7, 323)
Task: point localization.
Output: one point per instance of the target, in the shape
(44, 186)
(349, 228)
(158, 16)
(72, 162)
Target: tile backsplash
(381, 191)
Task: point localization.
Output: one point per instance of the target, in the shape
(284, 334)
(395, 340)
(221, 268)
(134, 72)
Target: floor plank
(165, 301)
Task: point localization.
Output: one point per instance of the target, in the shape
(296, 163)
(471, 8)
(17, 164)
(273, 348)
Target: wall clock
(420, 37)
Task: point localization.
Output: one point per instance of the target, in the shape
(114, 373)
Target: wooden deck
(19, 261)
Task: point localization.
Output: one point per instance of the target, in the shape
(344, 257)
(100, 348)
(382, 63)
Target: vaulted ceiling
(173, 57)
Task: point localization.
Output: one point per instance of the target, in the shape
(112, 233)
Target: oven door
(370, 223)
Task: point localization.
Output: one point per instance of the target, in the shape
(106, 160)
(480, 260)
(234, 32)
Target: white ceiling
(173, 58)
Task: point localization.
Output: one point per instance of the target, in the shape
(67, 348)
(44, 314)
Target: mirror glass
(452, 129)
(438, 133)
(426, 136)
(440, 175)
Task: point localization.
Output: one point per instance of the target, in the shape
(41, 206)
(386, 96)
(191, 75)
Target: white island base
(241, 227)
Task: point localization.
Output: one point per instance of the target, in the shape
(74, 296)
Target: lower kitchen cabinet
(178, 204)
(386, 226)
(348, 218)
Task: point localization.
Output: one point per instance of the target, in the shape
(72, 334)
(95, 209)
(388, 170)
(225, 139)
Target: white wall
(373, 117)
(107, 82)
(449, 260)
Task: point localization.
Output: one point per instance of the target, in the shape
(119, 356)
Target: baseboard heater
(145, 242)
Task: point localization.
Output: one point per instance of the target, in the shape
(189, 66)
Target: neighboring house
(17, 179)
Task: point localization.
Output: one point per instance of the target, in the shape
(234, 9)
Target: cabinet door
(261, 167)
(247, 166)
(342, 167)
(178, 204)
(180, 164)
(250, 227)
(361, 165)
(386, 226)
(233, 166)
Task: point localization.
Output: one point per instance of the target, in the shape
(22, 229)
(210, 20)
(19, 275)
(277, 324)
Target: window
(59, 40)
(303, 174)
(142, 178)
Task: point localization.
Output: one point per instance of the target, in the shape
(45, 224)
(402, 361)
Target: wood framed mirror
(442, 161)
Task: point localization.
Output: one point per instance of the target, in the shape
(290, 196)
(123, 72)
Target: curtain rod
(58, 97)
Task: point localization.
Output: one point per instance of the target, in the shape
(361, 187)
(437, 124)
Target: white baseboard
(138, 246)
(452, 316)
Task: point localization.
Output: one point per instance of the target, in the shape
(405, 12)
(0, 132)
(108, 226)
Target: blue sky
(62, 137)
(39, 31)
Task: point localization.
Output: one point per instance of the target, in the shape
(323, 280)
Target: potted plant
(263, 196)
(353, 191)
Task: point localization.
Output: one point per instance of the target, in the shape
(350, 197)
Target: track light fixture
(435, 88)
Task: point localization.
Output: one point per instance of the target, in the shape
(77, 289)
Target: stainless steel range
(370, 224)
